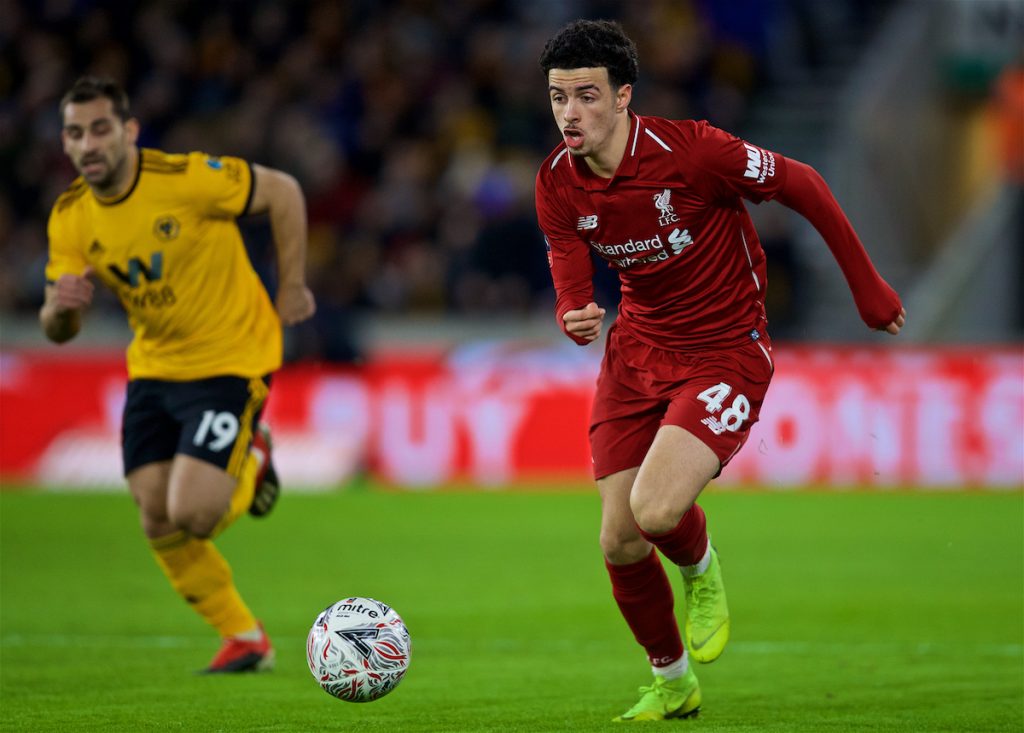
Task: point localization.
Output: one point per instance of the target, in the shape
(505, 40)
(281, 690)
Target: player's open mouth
(573, 138)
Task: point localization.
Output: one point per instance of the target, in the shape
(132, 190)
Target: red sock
(645, 599)
(687, 543)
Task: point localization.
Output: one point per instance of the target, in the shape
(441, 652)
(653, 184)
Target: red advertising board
(494, 413)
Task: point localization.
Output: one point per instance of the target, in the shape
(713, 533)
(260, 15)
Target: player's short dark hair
(88, 88)
(590, 44)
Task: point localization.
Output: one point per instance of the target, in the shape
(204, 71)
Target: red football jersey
(672, 222)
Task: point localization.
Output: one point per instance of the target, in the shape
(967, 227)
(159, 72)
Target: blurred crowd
(414, 126)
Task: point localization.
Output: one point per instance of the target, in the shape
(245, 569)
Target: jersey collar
(628, 166)
(135, 182)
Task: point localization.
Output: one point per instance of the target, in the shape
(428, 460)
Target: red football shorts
(715, 395)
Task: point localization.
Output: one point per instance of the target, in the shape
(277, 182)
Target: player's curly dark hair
(593, 43)
(88, 88)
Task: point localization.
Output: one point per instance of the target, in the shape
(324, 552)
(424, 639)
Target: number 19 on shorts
(224, 427)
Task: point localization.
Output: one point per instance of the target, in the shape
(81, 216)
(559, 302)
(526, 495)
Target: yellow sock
(242, 463)
(245, 487)
(201, 575)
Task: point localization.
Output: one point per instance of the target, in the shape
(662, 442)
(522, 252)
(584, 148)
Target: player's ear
(131, 130)
(623, 97)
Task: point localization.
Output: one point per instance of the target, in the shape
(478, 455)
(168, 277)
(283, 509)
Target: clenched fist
(584, 323)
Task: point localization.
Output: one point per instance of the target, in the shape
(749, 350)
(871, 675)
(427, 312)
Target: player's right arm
(584, 324)
(61, 314)
(69, 290)
(572, 270)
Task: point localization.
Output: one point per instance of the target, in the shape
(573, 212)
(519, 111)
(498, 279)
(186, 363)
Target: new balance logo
(587, 222)
(714, 425)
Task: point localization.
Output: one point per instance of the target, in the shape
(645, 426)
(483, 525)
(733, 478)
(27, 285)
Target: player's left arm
(278, 194)
(805, 192)
(723, 166)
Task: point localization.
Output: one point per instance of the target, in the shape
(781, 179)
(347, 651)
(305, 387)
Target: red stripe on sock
(644, 595)
(686, 544)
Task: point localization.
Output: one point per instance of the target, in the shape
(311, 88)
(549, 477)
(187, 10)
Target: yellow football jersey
(171, 250)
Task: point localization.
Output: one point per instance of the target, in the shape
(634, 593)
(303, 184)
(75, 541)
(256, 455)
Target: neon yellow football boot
(678, 698)
(707, 614)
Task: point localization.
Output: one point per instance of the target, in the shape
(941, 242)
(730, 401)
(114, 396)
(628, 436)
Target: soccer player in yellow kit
(160, 231)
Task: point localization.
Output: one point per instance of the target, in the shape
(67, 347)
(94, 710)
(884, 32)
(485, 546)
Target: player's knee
(654, 517)
(157, 525)
(626, 553)
(196, 521)
(622, 547)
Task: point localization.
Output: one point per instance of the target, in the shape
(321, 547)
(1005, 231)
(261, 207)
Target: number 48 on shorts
(732, 417)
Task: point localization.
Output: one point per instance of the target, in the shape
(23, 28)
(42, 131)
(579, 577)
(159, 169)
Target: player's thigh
(149, 439)
(721, 397)
(708, 419)
(217, 418)
(626, 412)
(148, 487)
(199, 494)
(620, 443)
(621, 541)
(676, 469)
(149, 432)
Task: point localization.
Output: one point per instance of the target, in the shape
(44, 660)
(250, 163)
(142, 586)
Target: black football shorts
(210, 419)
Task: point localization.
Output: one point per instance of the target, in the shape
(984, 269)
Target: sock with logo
(201, 575)
(675, 670)
(644, 597)
(687, 543)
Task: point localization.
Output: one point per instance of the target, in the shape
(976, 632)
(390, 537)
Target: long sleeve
(572, 270)
(806, 193)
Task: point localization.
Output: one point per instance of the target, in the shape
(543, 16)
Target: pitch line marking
(757, 648)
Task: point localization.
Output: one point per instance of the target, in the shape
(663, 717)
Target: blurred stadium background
(415, 128)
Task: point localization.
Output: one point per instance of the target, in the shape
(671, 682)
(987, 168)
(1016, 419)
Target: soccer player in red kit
(688, 360)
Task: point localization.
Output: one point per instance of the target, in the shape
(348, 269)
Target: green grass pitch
(851, 612)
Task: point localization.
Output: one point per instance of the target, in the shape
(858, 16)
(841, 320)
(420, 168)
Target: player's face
(587, 110)
(98, 142)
